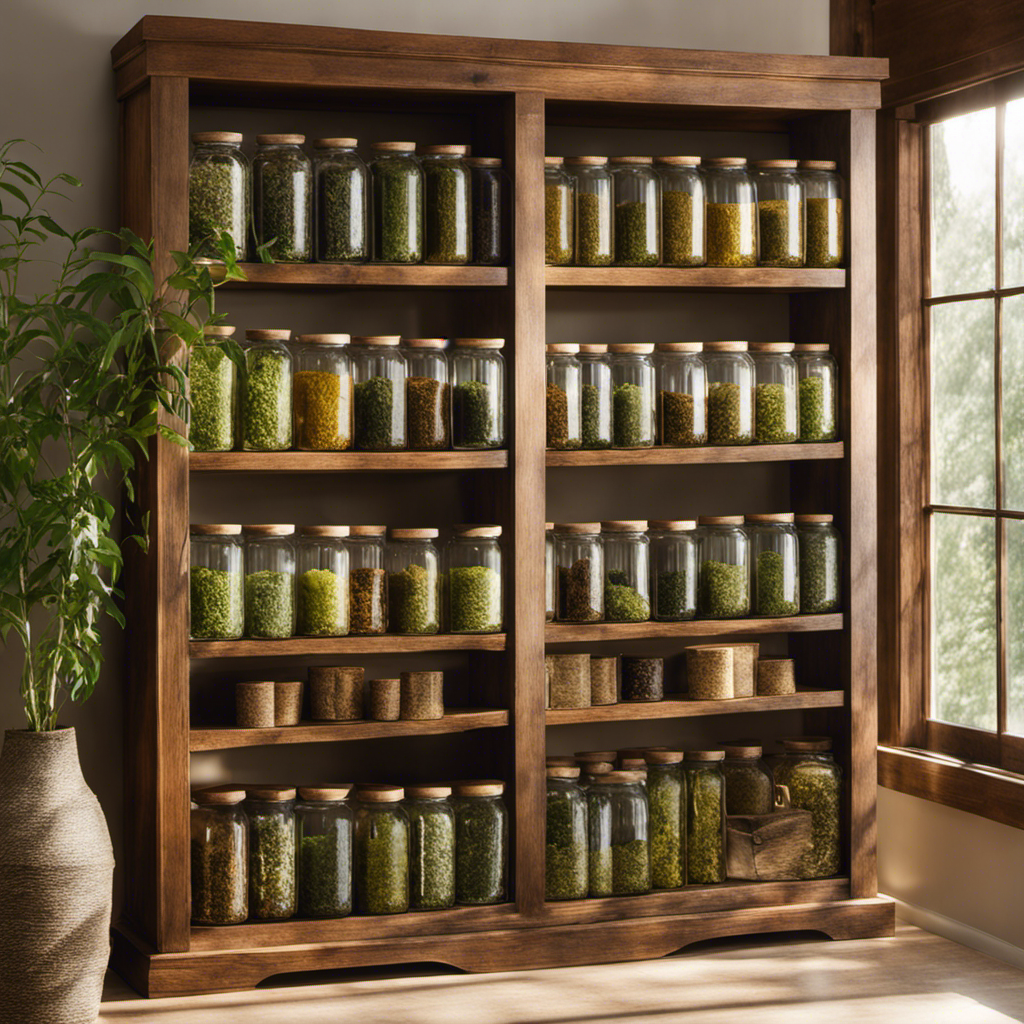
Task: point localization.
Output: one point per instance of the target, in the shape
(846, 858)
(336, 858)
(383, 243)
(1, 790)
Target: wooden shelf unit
(505, 90)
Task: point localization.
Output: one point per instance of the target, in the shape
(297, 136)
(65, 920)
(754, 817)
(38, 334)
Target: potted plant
(87, 366)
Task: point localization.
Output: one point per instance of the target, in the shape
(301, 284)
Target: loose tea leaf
(814, 786)
(397, 212)
(431, 857)
(325, 873)
(781, 224)
(481, 838)
(215, 603)
(772, 597)
(323, 404)
(374, 416)
(322, 603)
(771, 424)
(271, 866)
(665, 792)
(725, 419)
(631, 868)
(366, 601)
(447, 212)
(676, 420)
(412, 600)
(488, 242)
(816, 420)
(565, 861)
(731, 239)
(724, 590)
(677, 234)
(631, 416)
(557, 225)
(599, 871)
(705, 827)
(675, 600)
(824, 232)
(624, 603)
(635, 243)
(341, 210)
(474, 597)
(211, 379)
(749, 788)
(218, 201)
(819, 573)
(282, 189)
(597, 429)
(474, 415)
(558, 420)
(428, 409)
(381, 863)
(220, 877)
(267, 401)
(593, 226)
(268, 604)
(578, 593)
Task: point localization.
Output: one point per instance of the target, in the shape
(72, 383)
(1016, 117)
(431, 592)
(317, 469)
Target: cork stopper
(775, 165)
(808, 744)
(379, 793)
(215, 529)
(595, 755)
(323, 339)
(815, 346)
(672, 525)
(268, 530)
(623, 525)
(772, 347)
(229, 138)
(663, 756)
(271, 794)
(725, 161)
(488, 343)
(393, 147)
(720, 520)
(413, 533)
(387, 340)
(632, 348)
(335, 143)
(563, 771)
(586, 161)
(725, 346)
(445, 150)
(263, 334)
(218, 331)
(326, 794)
(613, 778)
(597, 767)
(678, 161)
(367, 531)
(562, 348)
(817, 165)
(428, 791)
(632, 764)
(577, 528)
(284, 139)
(680, 346)
(431, 343)
(478, 531)
(705, 755)
(809, 519)
(742, 751)
(323, 531)
(593, 350)
(218, 796)
(559, 761)
(479, 787)
(483, 161)
(769, 517)
(553, 161)
(624, 161)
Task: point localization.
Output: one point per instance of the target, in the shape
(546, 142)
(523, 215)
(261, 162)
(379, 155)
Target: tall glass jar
(323, 832)
(478, 393)
(431, 847)
(414, 581)
(724, 587)
(269, 581)
(272, 889)
(627, 584)
(381, 835)
(549, 572)
(558, 213)
(322, 393)
(673, 569)
(579, 559)
(342, 202)
(749, 786)
(481, 842)
(266, 401)
(780, 213)
(632, 395)
(216, 582)
(818, 377)
(731, 213)
(682, 395)
(380, 372)
(705, 817)
(474, 580)
(619, 835)
(282, 188)
(565, 862)
(823, 197)
(213, 393)
(564, 406)
(367, 581)
(776, 404)
(218, 193)
(323, 583)
(637, 212)
(593, 186)
(596, 396)
(488, 191)
(428, 395)
(666, 794)
(682, 211)
(396, 184)
(820, 564)
(220, 856)
(730, 376)
(774, 564)
(446, 186)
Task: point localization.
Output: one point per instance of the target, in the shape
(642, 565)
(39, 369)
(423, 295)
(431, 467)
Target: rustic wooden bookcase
(504, 95)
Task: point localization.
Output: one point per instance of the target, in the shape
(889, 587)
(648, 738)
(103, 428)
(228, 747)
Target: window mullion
(1001, 573)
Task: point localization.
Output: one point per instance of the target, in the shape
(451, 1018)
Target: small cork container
(775, 677)
(744, 668)
(568, 680)
(709, 673)
(385, 700)
(254, 705)
(336, 693)
(604, 680)
(287, 703)
(421, 696)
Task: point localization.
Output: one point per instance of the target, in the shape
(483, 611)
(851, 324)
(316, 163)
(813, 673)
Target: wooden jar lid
(413, 533)
(379, 793)
(218, 796)
(672, 525)
(553, 161)
(428, 791)
(632, 348)
(334, 793)
(566, 348)
(705, 755)
(817, 165)
(491, 343)
(775, 165)
(267, 334)
(431, 343)
(680, 346)
(559, 771)
(268, 529)
(477, 531)
(623, 525)
(769, 517)
(324, 531)
(624, 161)
(387, 340)
(611, 778)
(725, 161)
(483, 161)
(445, 150)
(593, 350)
(720, 520)
(335, 143)
(393, 147)
(271, 794)
(807, 744)
(725, 346)
(324, 339)
(586, 161)
(233, 138)
(595, 755)
(771, 347)
(743, 751)
(284, 139)
(215, 529)
(808, 519)
(578, 528)
(678, 161)
(367, 531)
(218, 331)
(479, 787)
(663, 756)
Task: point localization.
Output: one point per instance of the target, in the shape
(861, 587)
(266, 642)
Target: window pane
(963, 674)
(1013, 195)
(1015, 626)
(1013, 403)
(963, 411)
(963, 203)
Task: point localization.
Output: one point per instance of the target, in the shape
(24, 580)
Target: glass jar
(637, 212)
(823, 198)
(780, 213)
(724, 588)
(216, 582)
(414, 581)
(682, 211)
(474, 580)
(592, 182)
(272, 889)
(579, 559)
(488, 189)
(705, 817)
(396, 182)
(731, 213)
(643, 679)
(323, 828)
(322, 393)
(213, 393)
(269, 581)
(367, 581)
(596, 396)
(478, 393)
(549, 572)
(266, 402)
(627, 584)
(730, 376)
(565, 861)
(282, 188)
(749, 786)
(220, 856)
(323, 584)
(431, 847)
(815, 784)
(666, 795)
(820, 564)
(618, 826)
(673, 569)
(481, 842)
(218, 193)
(428, 396)
(381, 834)
(632, 395)
(379, 370)
(564, 408)
(818, 376)
(558, 213)
(776, 416)
(682, 395)
(446, 187)
(342, 202)
(774, 564)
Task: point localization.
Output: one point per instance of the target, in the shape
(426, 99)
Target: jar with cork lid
(367, 581)
(481, 842)
(776, 402)
(342, 195)
(323, 828)
(596, 396)
(619, 835)
(322, 393)
(431, 847)
(705, 816)
(682, 211)
(724, 584)
(818, 376)
(593, 187)
(673, 569)
(666, 794)
(820, 564)
(579, 564)
(637, 212)
(730, 380)
(446, 187)
(220, 856)
(216, 581)
(775, 564)
(282, 191)
(269, 580)
(323, 583)
(627, 588)
(219, 179)
(823, 200)
(272, 889)
(381, 834)
(632, 395)
(559, 204)
(565, 865)
(379, 370)
(749, 786)
(780, 213)
(428, 395)
(488, 191)
(549, 572)
(396, 184)
(564, 407)
(478, 393)
(682, 394)
(213, 392)
(414, 580)
(266, 399)
(474, 576)
(731, 212)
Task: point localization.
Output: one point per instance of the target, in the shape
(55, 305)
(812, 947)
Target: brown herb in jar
(594, 237)
(676, 419)
(781, 224)
(633, 246)
(427, 410)
(366, 601)
(578, 591)
(557, 225)
(677, 248)
(643, 679)
(730, 235)
(558, 420)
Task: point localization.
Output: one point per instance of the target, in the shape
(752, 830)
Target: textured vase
(56, 873)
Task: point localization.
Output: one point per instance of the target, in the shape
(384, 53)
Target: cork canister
(421, 696)
(287, 703)
(568, 680)
(604, 680)
(336, 693)
(744, 669)
(254, 705)
(385, 700)
(709, 673)
(775, 677)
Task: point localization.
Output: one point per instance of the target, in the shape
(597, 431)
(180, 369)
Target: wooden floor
(916, 978)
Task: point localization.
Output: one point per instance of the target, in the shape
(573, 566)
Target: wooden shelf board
(343, 462)
(660, 456)
(340, 645)
(572, 633)
(367, 275)
(706, 279)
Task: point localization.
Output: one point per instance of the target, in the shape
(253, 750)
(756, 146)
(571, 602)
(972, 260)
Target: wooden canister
(709, 673)
(568, 680)
(254, 705)
(385, 700)
(775, 677)
(287, 703)
(421, 696)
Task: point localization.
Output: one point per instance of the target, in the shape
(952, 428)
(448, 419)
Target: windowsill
(978, 789)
